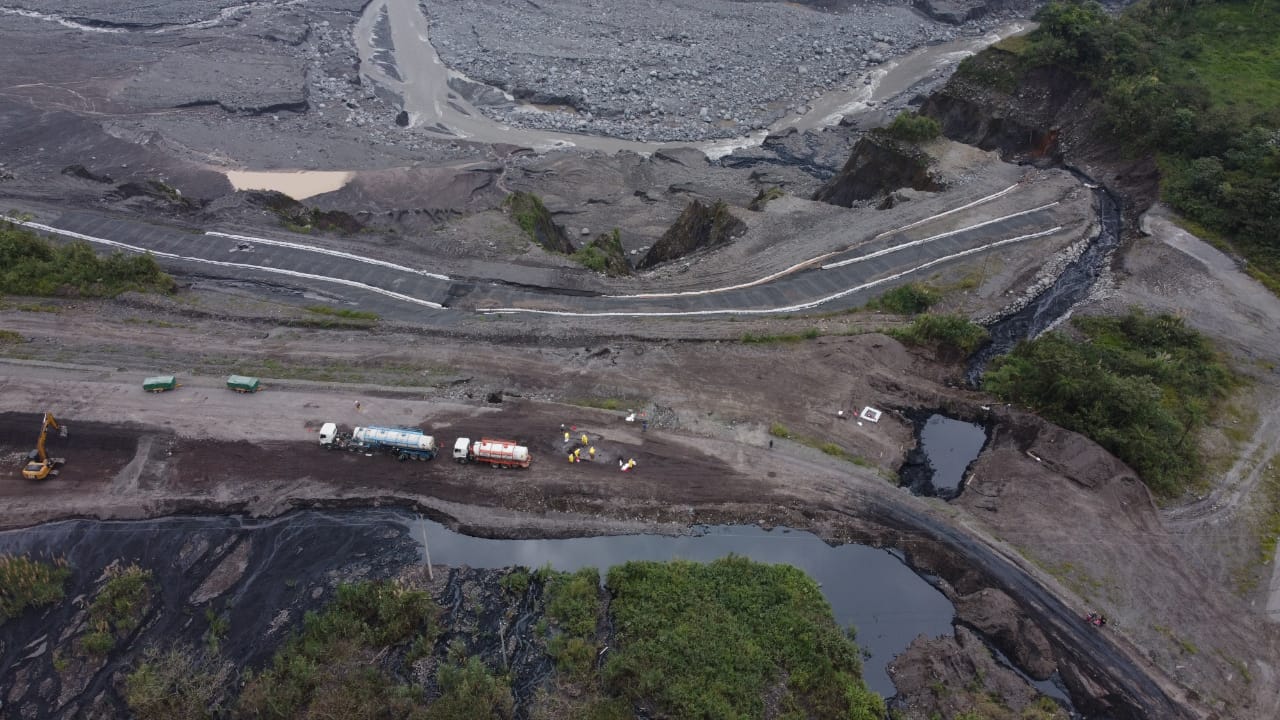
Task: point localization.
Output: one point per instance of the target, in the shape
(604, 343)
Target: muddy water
(292, 562)
(945, 448)
(298, 185)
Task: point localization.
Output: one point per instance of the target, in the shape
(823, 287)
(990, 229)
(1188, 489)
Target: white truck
(501, 453)
(402, 443)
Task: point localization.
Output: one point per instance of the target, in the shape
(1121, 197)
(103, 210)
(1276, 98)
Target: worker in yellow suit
(585, 440)
(566, 436)
(571, 458)
(592, 452)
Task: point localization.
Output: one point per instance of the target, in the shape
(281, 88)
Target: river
(396, 55)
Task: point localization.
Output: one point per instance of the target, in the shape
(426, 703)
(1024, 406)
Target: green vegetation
(468, 691)
(535, 220)
(345, 313)
(219, 624)
(117, 609)
(9, 337)
(914, 128)
(763, 197)
(779, 430)
(329, 668)
(909, 299)
(1141, 386)
(573, 605)
(179, 683)
(31, 265)
(608, 403)
(948, 334)
(605, 255)
(26, 583)
(1197, 83)
(754, 339)
(707, 640)
(515, 582)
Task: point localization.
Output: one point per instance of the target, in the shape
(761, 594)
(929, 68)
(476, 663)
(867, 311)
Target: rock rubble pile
(664, 70)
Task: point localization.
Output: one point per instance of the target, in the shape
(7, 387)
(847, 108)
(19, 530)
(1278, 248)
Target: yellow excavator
(39, 465)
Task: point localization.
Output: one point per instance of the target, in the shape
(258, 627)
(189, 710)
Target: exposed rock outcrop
(947, 677)
(605, 254)
(533, 217)
(996, 615)
(1040, 115)
(699, 226)
(878, 165)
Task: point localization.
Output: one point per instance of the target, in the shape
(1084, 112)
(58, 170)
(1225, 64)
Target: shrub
(118, 608)
(468, 691)
(179, 683)
(708, 640)
(26, 583)
(914, 128)
(31, 265)
(324, 670)
(1141, 386)
(909, 299)
(949, 334)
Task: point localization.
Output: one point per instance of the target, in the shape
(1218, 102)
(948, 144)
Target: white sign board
(870, 414)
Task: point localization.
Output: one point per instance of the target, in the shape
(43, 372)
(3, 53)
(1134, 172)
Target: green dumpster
(160, 383)
(241, 383)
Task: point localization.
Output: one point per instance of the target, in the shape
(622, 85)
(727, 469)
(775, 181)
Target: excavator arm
(39, 466)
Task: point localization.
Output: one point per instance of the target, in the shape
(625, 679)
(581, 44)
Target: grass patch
(604, 255)
(9, 337)
(608, 403)
(1197, 84)
(329, 668)
(1141, 386)
(27, 583)
(31, 265)
(117, 609)
(573, 606)
(762, 198)
(913, 127)
(779, 430)
(468, 691)
(344, 313)
(706, 640)
(179, 683)
(947, 334)
(909, 299)
(755, 339)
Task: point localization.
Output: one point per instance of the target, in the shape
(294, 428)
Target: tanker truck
(500, 453)
(402, 443)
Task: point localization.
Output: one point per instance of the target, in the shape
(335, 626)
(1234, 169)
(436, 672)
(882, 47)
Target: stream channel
(289, 558)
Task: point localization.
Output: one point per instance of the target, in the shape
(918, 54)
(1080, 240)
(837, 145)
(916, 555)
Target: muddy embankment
(1049, 116)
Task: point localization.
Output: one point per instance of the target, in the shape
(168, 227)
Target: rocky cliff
(699, 226)
(878, 165)
(1041, 115)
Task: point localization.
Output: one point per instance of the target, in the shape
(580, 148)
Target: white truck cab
(461, 449)
(328, 432)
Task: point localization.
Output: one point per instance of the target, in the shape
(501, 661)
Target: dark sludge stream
(1071, 287)
(945, 446)
(291, 564)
